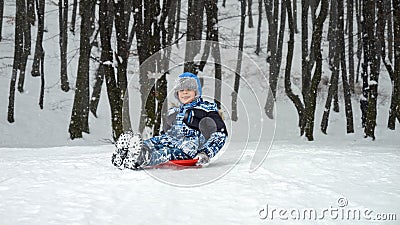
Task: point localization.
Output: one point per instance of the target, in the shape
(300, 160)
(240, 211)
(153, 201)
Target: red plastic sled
(177, 164)
(185, 162)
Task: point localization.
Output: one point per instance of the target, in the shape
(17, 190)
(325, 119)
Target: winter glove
(189, 147)
(203, 159)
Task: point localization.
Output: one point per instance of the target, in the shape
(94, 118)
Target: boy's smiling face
(186, 96)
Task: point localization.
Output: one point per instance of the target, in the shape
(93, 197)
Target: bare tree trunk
(394, 111)
(336, 99)
(350, 7)
(80, 111)
(106, 23)
(333, 85)
(288, 89)
(239, 61)
(374, 60)
(213, 46)
(393, 103)
(346, 87)
(380, 31)
(122, 58)
(218, 74)
(26, 49)
(1, 17)
(313, 6)
(272, 59)
(131, 36)
(148, 40)
(170, 31)
(275, 43)
(63, 17)
(332, 31)
(366, 45)
(347, 99)
(334, 54)
(42, 81)
(258, 45)
(30, 12)
(160, 84)
(390, 31)
(73, 17)
(163, 37)
(141, 39)
(92, 12)
(194, 33)
(338, 62)
(268, 10)
(305, 73)
(268, 4)
(359, 37)
(39, 52)
(132, 31)
(178, 19)
(106, 19)
(128, 8)
(18, 50)
(250, 13)
(95, 99)
(295, 16)
(316, 49)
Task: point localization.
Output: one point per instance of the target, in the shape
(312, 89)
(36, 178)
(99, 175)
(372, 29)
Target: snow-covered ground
(78, 185)
(46, 178)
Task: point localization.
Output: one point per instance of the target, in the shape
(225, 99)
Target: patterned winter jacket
(194, 127)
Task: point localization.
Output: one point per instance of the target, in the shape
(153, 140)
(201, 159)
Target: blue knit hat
(188, 81)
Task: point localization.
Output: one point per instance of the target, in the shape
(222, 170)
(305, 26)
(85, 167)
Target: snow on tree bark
(369, 11)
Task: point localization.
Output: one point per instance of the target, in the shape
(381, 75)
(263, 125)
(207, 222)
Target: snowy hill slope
(77, 185)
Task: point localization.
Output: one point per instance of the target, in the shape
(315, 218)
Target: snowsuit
(188, 130)
(192, 130)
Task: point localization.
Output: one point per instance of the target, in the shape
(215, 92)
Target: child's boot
(121, 148)
(134, 150)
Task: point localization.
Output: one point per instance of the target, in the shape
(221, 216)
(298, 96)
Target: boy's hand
(203, 159)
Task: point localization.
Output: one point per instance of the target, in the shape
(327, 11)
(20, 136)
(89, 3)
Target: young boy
(194, 130)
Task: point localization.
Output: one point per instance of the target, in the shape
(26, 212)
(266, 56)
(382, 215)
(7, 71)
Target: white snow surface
(46, 178)
(78, 185)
